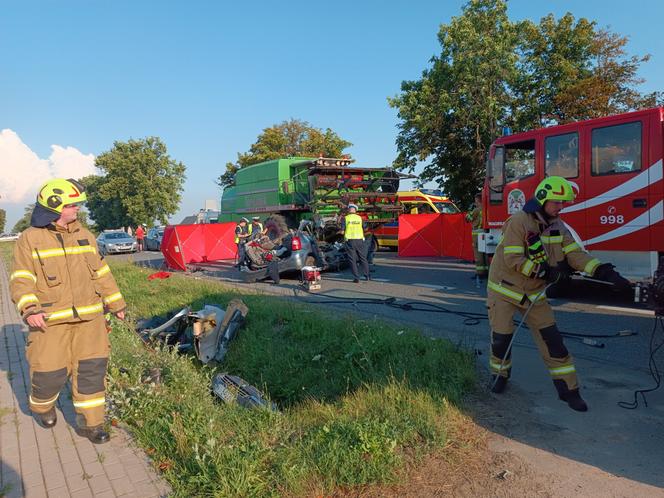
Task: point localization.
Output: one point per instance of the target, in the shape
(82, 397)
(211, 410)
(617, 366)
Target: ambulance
(423, 201)
(615, 166)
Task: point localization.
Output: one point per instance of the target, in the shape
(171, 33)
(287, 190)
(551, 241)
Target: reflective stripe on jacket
(353, 229)
(513, 275)
(59, 272)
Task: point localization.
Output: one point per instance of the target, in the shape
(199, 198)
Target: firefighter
(537, 249)
(256, 228)
(62, 288)
(355, 245)
(241, 236)
(475, 218)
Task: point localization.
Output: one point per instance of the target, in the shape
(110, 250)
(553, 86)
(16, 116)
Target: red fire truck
(614, 163)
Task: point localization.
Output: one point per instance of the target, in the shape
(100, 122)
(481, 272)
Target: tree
(492, 72)
(453, 112)
(140, 183)
(3, 220)
(24, 222)
(287, 139)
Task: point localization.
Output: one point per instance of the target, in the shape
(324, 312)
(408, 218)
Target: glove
(554, 274)
(606, 273)
(536, 251)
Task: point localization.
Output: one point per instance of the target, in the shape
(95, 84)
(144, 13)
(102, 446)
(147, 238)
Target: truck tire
(276, 227)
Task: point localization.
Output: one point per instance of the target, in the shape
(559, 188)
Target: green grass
(361, 402)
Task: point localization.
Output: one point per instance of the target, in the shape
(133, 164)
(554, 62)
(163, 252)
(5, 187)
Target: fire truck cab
(615, 165)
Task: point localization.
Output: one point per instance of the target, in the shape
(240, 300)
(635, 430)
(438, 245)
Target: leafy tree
(289, 138)
(140, 183)
(492, 72)
(24, 222)
(3, 220)
(453, 112)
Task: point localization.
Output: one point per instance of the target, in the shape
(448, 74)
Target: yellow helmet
(554, 188)
(58, 193)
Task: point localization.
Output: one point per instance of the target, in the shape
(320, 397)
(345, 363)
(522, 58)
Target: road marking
(380, 279)
(437, 287)
(627, 310)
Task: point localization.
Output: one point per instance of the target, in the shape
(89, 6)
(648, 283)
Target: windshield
(446, 207)
(118, 235)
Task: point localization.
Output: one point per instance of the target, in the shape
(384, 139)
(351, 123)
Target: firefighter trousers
(481, 266)
(546, 335)
(78, 350)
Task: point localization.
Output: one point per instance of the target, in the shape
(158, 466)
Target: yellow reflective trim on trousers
(478, 231)
(514, 295)
(59, 315)
(103, 271)
(496, 366)
(50, 253)
(551, 239)
(591, 265)
(25, 299)
(93, 308)
(565, 369)
(90, 403)
(570, 247)
(112, 298)
(527, 267)
(513, 250)
(43, 403)
(23, 274)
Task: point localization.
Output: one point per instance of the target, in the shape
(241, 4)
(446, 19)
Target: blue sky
(207, 77)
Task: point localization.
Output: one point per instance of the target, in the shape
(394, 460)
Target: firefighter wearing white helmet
(355, 246)
(537, 249)
(62, 288)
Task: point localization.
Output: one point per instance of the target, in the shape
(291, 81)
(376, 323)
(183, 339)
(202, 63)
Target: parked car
(153, 238)
(115, 242)
(8, 236)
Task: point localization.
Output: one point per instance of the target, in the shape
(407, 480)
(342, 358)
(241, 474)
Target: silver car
(115, 242)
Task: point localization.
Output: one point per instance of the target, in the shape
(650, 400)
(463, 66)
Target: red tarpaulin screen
(435, 235)
(184, 244)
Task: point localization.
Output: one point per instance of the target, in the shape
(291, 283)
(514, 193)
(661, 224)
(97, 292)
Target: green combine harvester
(313, 193)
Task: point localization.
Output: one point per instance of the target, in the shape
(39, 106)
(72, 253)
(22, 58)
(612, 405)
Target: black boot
(96, 434)
(48, 419)
(498, 383)
(571, 396)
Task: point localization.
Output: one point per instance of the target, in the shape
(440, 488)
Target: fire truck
(614, 164)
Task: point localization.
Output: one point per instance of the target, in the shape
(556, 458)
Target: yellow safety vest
(251, 228)
(353, 229)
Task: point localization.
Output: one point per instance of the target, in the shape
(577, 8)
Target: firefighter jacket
(475, 218)
(59, 272)
(529, 241)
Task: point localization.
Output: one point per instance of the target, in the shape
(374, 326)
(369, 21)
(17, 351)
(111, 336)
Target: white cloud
(22, 172)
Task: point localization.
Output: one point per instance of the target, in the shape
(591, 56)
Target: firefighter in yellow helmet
(537, 249)
(474, 217)
(62, 288)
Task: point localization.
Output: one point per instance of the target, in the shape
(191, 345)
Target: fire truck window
(562, 155)
(519, 160)
(616, 149)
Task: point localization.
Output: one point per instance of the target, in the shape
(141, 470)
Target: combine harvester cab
(615, 163)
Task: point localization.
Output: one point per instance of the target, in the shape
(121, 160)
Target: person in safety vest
(256, 228)
(537, 249)
(355, 245)
(475, 218)
(62, 288)
(241, 236)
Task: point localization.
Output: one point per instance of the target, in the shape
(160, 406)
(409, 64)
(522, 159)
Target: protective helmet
(352, 206)
(58, 193)
(554, 188)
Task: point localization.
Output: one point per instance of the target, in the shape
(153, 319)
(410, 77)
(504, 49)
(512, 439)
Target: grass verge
(361, 402)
